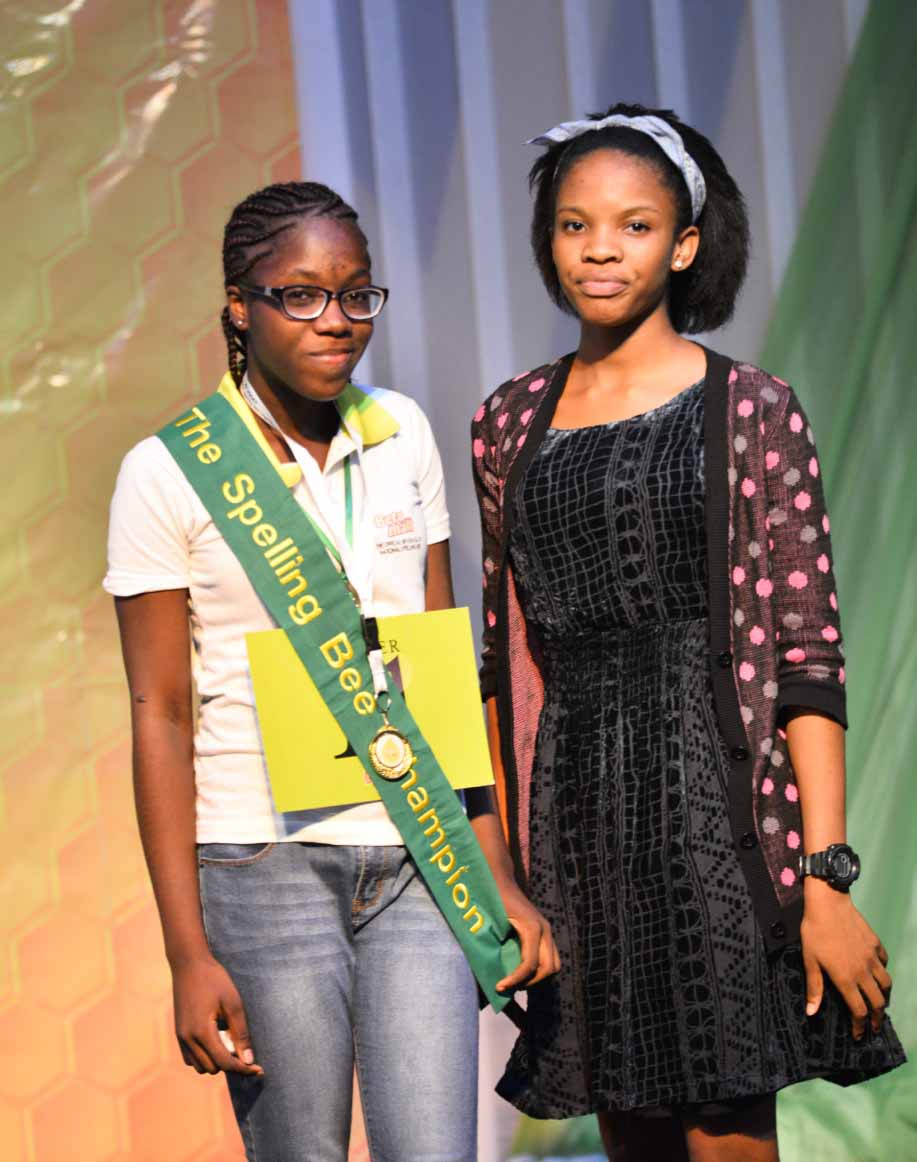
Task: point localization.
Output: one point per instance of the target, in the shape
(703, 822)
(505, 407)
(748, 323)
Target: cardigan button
(778, 930)
(748, 840)
(739, 753)
(724, 660)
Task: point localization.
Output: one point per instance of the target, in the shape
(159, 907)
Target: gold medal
(390, 753)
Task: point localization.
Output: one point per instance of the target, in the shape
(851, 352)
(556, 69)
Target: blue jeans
(342, 958)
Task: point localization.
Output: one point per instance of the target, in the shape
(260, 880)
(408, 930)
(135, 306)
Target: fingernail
(248, 1057)
(810, 1009)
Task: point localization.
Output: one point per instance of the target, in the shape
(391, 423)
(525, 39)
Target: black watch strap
(815, 864)
(838, 865)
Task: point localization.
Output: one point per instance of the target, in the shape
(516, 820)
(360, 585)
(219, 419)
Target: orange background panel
(128, 130)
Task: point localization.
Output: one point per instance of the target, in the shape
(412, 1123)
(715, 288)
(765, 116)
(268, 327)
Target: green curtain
(844, 333)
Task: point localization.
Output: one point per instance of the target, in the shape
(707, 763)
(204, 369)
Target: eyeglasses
(303, 303)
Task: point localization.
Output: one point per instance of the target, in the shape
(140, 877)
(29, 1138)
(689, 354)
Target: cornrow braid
(252, 232)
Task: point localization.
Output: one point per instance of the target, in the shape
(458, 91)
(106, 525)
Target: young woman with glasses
(300, 943)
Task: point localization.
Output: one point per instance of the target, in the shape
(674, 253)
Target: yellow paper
(308, 758)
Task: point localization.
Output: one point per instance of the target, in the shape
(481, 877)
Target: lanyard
(370, 627)
(258, 406)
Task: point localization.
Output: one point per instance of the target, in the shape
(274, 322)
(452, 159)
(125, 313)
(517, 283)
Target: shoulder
(149, 463)
(406, 446)
(407, 412)
(151, 487)
(517, 394)
(766, 408)
(767, 392)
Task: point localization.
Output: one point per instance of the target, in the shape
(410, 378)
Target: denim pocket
(232, 854)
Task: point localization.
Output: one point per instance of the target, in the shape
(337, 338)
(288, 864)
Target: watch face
(844, 866)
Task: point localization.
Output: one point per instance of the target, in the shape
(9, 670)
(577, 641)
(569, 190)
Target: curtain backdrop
(418, 110)
(843, 332)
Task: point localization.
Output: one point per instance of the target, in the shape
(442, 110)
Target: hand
(204, 995)
(837, 940)
(540, 957)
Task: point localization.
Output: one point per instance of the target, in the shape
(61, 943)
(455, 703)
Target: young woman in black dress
(664, 678)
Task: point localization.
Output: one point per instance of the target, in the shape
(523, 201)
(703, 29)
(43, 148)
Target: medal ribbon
(260, 408)
(370, 629)
(265, 527)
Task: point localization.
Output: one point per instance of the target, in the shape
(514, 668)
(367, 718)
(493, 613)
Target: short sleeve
(150, 524)
(430, 481)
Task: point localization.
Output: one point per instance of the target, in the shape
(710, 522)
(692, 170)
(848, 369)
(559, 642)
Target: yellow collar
(364, 417)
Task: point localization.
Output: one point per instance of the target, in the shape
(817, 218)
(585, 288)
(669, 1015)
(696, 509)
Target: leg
(415, 1021)
(744, 1131)
(279, 922)
(634, 1137)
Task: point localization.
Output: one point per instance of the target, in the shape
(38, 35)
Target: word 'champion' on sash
(336, 652)
(442, 852)
(282, 554)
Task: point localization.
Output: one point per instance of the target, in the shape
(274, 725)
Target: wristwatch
(839, 865)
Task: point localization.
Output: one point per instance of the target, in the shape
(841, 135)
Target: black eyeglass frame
(274, 294)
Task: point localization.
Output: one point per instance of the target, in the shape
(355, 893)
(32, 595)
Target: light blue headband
(668, 139)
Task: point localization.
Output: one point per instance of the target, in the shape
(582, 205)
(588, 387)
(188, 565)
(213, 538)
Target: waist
(643, 641)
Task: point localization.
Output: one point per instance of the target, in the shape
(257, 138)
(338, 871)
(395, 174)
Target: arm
(496, 761)
(835, 938)
(488, 489)
(539, 953)
(489, 822)
(810, 649)
(156, 648)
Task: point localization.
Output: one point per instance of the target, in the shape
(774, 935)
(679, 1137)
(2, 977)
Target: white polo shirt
(161, 537)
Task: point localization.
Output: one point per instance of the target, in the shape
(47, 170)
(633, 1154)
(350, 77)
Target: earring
(239, 324)
(678, 264)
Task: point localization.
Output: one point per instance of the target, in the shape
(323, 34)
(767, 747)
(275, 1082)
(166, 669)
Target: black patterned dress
(666, 997)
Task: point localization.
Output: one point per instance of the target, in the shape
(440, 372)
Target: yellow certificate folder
(429, 656)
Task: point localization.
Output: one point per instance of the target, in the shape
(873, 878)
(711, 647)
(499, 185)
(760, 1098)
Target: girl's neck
(626, 371)
(632, 352)
(305, 421)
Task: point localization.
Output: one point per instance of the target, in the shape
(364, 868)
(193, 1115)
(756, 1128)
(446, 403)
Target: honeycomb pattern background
(128, 129)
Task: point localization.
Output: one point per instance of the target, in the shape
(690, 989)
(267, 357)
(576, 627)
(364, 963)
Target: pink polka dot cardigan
(775, 639)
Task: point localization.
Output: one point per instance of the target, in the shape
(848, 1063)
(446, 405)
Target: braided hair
(252, 232)
(702, 297)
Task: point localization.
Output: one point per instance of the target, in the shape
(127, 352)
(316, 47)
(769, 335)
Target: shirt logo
(396, 524)
(396, 532)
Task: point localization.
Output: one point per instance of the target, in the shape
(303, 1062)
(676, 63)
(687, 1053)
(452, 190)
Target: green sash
(267, 530)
